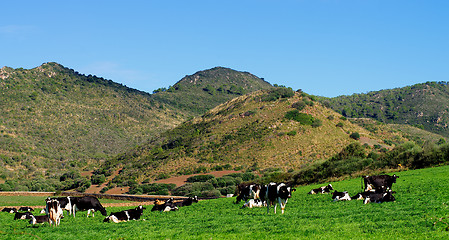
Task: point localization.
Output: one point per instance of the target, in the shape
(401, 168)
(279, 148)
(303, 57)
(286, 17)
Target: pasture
(422, 199)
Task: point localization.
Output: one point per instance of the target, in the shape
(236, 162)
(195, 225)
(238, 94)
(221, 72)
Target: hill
(271, 129)
(56, 121)
(422, 105)
(202, 91)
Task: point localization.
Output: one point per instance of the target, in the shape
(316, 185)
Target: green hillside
(56, 121)
(272, 129)
(423, 105)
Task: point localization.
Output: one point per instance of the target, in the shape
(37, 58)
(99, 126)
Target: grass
(421, 199)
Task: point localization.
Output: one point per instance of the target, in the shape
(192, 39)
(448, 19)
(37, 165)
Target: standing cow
(275, 193)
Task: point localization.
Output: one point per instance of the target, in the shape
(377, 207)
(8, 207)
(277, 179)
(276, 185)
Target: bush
(199, 178)
(300, 105)
(355, 135)
(303, 118)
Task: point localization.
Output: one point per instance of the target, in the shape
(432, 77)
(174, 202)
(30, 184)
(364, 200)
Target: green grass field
(422, 198)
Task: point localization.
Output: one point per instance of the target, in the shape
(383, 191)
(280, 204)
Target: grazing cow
(379, 183)
(9, 210)
(277, 193)
(380, 197)
(39, 219)
(341, 196)
(246, 192)
(89, 203)
(126, 215)
(26, 209)
(25, 215)
(322, 190)
(54, 212)
(167, 206)
(187, 202)
(254, 203)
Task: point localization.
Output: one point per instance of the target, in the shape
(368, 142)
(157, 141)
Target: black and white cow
(341, 196)
(89, 203)
(9, 210)
(361, 195)
(66, 203)
(247, 191)
(275, 193)
(167, 206)
(126, 215)
(322, 190)
(39, 219)
(54, 212)
(187, 202)
(254, 203)
(379, 197)
(379, 183)
(24, 215)
(26, 209)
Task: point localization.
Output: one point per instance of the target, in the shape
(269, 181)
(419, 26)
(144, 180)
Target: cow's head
(285, 192)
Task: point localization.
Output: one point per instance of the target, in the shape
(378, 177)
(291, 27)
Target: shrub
(300, 105)
(199, 178)
(340, 124)
(355, 135)
(291, 133)
(303, 118)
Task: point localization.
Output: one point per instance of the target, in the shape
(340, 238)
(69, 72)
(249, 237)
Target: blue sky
(324, 47)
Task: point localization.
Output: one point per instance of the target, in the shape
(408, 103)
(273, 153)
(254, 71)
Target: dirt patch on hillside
(181, 180)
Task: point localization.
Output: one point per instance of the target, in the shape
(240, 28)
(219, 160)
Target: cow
(361, 195)
(341, 196)
(246, 192)
(126, 215)
(276, 193)
(9, 210)
(187, 202)
(25, 215)
(322, 190)
(66, 203)
(39, 219)
(378, 183)
(54, 212)
(26, 209)
(379, 197)
(167, 206)
(254, 203)
(89, 203)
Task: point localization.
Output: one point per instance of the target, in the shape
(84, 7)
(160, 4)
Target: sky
(324, 47)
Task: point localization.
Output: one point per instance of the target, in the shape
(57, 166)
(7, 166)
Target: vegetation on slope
(253, 132)
(422, 105)
(55, 122)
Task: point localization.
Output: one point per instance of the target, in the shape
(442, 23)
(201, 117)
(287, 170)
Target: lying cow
(187, 202)
(246, 192)
(166, 206)
(254, 203)
(275, 193)
(25, 215)
(39, 219)
(126, 215)
(322, 190)
(341, 196)
(9, 210)
(379, 183)
(380, 197)
(26, 209)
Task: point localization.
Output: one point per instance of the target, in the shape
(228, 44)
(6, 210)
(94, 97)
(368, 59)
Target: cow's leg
(268, 206)
(282, 204)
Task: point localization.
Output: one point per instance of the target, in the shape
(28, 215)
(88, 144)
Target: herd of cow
(53, 211)
(375, 189)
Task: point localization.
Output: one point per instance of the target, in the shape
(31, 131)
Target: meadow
(420, 212)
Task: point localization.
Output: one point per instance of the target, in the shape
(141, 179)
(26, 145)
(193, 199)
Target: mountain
(54, 120)
(268, 129)
(202, 91)
(422, 105)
